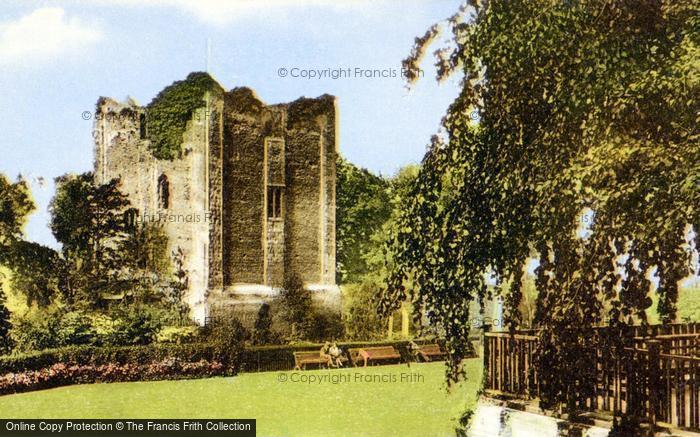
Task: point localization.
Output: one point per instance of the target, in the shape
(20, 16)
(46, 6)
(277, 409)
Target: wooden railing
(656, 377)
(678, 391)
(509, 363)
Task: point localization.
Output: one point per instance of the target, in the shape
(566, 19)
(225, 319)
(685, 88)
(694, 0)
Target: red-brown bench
(302, 358)
(429, 352)
(374, 354)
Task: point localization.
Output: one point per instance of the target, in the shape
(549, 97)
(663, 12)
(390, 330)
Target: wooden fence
(655, 376)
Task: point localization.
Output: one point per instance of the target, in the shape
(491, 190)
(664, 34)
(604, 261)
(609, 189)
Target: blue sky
(57, 58)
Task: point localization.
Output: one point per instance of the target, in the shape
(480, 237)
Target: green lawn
(384, 406)
(688, 306)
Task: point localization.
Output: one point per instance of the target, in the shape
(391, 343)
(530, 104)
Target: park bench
(302, 358)
(373, 354)
(430, 352)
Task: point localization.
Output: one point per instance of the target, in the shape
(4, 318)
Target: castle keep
(248, 196)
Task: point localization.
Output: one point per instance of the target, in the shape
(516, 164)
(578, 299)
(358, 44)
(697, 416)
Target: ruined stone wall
(243, 188)
(311, 202)
(304, 209)
(236, 151)
(216, 172)
(290, 148)
(122, 153)
(329, 150)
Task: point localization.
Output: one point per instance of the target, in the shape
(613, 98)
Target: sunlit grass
(371, 401)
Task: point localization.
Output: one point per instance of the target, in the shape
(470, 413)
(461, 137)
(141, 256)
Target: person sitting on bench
(336, 355)
(416, 353)
(325, 355)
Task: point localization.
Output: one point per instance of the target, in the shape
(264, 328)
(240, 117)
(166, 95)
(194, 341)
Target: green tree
(368, 206)
(5, 324)
(362, 208)
(567, 110)
(38, 271)
(88, 220)
(146, 246)
(146, 274)
(15, 206)
(360, 301)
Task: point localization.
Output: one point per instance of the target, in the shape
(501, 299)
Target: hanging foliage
(585, 157)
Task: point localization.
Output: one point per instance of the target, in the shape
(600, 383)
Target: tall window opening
(163, 192)
(274, 202)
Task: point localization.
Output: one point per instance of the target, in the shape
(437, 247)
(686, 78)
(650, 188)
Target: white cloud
(221, 12)
(45, 33)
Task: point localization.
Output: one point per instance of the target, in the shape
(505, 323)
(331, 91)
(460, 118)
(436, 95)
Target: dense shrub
(300, 318)
(138, 325)
(89, 364)
(75, 328)
(177, 334)
(109, 331)
(226, 331)
(262, 330)
(226, 335)
(326, 324)
(35, 332)
(141, 326)
(359, 313)
(5, 325)
(296, 308)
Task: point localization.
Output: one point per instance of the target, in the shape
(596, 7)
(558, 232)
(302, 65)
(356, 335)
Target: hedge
(95, 355)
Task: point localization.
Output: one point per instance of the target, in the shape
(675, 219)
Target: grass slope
(350, 407)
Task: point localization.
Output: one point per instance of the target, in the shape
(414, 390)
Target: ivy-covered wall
(168, 113)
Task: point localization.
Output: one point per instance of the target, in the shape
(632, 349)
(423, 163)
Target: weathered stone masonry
(250, 200)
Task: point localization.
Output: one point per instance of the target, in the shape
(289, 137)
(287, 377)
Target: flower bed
(60, 374)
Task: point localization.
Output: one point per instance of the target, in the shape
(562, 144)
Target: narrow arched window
(142, 126)
(163, 192)
(130, 219)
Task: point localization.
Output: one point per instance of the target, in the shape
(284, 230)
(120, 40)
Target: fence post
(487, 359)
(404, 321)
(654, 375)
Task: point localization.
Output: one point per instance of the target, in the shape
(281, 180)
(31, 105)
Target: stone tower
(249, 198)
